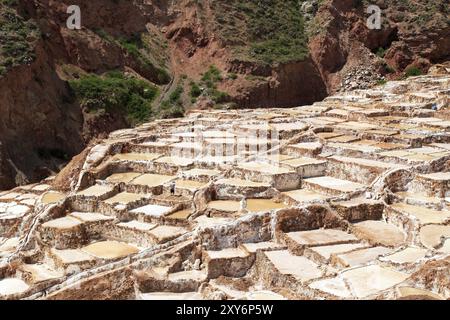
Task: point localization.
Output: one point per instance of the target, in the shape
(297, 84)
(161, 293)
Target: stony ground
(344, 199)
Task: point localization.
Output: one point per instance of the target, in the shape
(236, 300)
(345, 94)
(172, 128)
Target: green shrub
(168, 111)
(104, 35)
(131, 46)
(9, 3)
(175, 96)
(173, 106)
(219, 96)
(115, 74)
(9, 62)
(195, 90)
(232, 76)
(209, 80)
(389, 69)
(212, 76)
(163, 76)
(413, 72)
(381, 52)
(116, 93)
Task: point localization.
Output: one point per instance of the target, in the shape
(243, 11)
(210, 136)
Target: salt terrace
(345, 199)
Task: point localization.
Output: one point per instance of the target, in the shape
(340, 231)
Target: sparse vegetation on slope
(419, 13)
(208, 86)
(115, 92)
(264, 31)
(145, 50)
(17, 37)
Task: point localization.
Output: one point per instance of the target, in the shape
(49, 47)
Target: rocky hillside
(134, 60)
